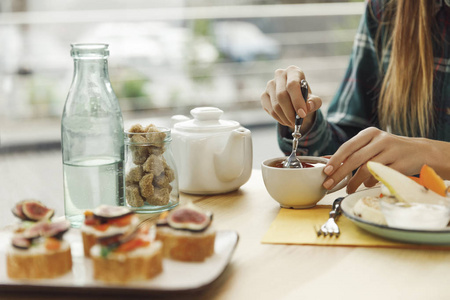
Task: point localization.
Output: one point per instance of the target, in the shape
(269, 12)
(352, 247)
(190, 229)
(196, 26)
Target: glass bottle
(91, 136)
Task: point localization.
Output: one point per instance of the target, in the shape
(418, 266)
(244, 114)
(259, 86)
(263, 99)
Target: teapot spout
(229, 164)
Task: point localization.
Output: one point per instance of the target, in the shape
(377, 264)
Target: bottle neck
(91, 70)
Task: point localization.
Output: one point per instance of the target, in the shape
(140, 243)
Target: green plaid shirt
(354, 107)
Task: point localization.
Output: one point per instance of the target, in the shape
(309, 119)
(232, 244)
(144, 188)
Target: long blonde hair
(406, 98)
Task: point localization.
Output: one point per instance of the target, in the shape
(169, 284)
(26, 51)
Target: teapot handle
(230, 162)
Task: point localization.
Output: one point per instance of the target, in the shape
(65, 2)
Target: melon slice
(432, 181)
(404, 188)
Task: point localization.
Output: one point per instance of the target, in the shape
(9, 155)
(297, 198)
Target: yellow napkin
(299, 226)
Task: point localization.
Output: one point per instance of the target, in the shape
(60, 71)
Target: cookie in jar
(151, 183)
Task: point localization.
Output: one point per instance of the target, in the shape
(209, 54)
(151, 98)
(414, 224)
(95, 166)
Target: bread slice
(88, 242)
(140, 264)
(38, 263)
(186, 245)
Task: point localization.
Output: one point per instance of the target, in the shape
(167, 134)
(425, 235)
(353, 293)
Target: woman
(394, 104)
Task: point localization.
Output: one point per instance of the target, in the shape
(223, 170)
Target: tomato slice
(101, 227)
(52, 244)
(91, 221)
(131, 245)
(120, 222)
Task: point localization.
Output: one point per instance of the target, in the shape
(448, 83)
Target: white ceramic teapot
(211, 155)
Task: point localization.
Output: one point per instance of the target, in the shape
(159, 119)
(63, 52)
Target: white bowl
(297, 187)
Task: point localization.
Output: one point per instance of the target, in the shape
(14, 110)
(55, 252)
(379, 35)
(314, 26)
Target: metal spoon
(292, 161)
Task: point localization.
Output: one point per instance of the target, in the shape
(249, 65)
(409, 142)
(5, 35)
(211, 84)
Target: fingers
(349, 148)
(376, 145)
(282, 102)
(363, 175)
(370, 182)
(267, 106)
(352, 154)
(293, 78)
(313, 104)
(283, 99)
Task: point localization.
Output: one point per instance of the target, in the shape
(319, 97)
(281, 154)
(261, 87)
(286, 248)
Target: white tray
(176, 276)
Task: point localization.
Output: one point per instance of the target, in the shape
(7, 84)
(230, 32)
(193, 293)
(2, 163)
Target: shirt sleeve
(354, 107)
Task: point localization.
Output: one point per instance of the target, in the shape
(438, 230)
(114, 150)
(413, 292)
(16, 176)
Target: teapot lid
(206, 119)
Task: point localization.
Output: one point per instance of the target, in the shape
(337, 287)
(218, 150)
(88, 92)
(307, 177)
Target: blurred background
(167, 57)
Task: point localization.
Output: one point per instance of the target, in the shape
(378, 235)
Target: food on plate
(403, 188)
(186, 233)
(406, 202)
(127, 257)
(429, 179)
(32, 210)
(149, 181)
(37, 248)
(105, 221)
(369, 209)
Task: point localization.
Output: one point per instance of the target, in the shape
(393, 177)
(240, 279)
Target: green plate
(432, 237)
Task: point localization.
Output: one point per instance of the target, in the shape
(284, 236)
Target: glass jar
(91, 136)
(151, 180)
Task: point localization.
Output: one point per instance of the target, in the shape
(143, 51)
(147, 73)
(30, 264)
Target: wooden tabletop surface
(264, 271)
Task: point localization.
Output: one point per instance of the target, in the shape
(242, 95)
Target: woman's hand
(282, 99)
(404, 154)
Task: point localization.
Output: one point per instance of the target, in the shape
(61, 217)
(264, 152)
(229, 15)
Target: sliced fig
(110, 241)
(20, 242)
(36, 230)
(56, 229)
(190, 218)
(111, 212)
(118, 239)
(36, 211)
(17, 210)
(129, 235)
(162, 222)
(40, 229)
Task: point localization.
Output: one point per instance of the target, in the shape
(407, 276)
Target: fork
(330, 227)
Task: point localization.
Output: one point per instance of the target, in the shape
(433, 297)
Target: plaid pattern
(354, 107)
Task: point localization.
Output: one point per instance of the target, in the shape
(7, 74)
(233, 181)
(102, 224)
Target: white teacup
(297, 187)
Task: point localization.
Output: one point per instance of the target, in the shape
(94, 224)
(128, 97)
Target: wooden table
(262, 271)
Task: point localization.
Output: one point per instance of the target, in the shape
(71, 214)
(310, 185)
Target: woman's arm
(404, 154)
(437, 156)
(352, 109)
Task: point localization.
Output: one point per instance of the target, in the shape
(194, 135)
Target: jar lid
(162, 135)
(206, 119)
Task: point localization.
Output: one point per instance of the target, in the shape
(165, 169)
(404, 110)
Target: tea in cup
(297, 187)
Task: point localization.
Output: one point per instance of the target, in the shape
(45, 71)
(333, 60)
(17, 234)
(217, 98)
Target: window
(170, 56)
